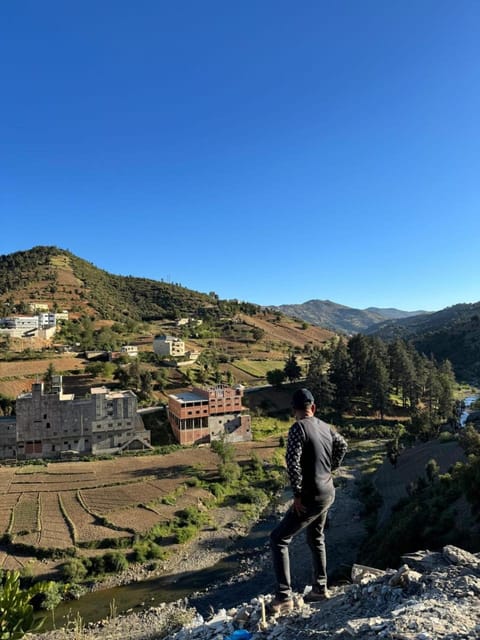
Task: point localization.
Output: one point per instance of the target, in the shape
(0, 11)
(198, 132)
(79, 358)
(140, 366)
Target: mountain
(338, 317)
(452, 333)
(58, 277)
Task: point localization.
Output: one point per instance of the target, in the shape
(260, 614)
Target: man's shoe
(281, 607)
(317, 596)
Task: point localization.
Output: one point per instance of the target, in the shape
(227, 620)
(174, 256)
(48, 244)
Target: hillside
(238, 340)
(337, 317)
(65, 281)
(452, 333)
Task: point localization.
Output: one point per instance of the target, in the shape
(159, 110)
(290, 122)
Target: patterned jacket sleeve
(339, 449)
(295, 442)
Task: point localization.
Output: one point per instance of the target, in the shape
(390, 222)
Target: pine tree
(318, 381)
(341, 378)
(292, 369)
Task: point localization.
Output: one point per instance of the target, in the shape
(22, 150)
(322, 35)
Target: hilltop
(65, 281)
(338, 317)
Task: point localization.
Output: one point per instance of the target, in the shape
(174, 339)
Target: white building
(130, 349)
(164, 345)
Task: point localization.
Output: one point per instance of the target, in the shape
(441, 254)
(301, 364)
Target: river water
(97, 605)
(468, 401)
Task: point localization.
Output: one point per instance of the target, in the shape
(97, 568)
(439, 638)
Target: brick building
(202, 415)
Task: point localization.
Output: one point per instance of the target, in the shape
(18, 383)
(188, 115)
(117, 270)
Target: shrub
(97, 565)
(184, 534)
(229, 472)
(74, 570)
(115, 561)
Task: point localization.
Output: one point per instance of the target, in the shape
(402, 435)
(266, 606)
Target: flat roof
(188, 396)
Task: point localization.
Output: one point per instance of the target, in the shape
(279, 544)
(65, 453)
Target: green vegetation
(16, 605)
(266, 427)
(105, 295)
(363, 375)
(452, 333)
(427, 518)
(257, 368)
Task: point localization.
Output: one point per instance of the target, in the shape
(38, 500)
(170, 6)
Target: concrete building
(164, 345)
(8, 438)
(37, 306)
(42, 325)
(202, 415)
(130, 350)
(48, 424)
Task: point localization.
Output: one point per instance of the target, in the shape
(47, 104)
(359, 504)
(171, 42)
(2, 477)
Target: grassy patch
(258, 368)
(266, 427)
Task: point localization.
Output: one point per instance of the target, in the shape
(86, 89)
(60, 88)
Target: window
(48, 425)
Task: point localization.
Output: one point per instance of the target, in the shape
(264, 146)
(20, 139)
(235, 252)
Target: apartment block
(164, 345)
(49, 424)
(201, 415)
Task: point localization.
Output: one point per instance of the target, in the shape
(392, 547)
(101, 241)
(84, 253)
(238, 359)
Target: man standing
(314, 450)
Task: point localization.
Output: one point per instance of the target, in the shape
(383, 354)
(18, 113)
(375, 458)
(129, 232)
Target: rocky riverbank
(432, 596)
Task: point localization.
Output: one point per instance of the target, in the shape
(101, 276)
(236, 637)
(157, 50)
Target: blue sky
(270, 151)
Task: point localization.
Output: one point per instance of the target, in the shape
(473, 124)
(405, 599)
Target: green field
(258, 368)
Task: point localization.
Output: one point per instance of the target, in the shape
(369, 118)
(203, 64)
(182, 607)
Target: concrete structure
(195, 322)
(38, 306)
(42, 325)
(49, 424)
(8, 438)
(130, 349)
(202, 415)
(168, 346)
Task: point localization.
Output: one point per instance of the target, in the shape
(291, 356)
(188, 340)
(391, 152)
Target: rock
(404, 576)
(460, 556)
(361, 574)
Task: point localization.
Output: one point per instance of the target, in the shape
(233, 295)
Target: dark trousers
(313, 520)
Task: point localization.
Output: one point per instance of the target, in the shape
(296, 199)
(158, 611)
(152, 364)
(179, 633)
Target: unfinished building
(202, 415)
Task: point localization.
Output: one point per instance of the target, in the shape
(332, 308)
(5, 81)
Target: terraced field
(83, 504)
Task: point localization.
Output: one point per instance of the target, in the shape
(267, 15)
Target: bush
(74, 570)
(184, 534)
(229, 472)
(115, 561)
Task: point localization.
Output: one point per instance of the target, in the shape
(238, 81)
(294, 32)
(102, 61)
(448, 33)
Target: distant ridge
(337, 317)
(452, 333)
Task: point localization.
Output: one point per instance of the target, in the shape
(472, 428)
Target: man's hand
(298, 506)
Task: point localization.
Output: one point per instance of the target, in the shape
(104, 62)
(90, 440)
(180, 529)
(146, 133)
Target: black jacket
(314, 450)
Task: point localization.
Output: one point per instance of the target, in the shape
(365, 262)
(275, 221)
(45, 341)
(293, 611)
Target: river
(467, 402)
(197, 586)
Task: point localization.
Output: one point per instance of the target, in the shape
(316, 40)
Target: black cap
(301, 398)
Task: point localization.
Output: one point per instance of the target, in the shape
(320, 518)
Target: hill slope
(338, 317)
(56, 276)
(452, 333)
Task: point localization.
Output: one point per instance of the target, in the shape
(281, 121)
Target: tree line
(346, 374)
